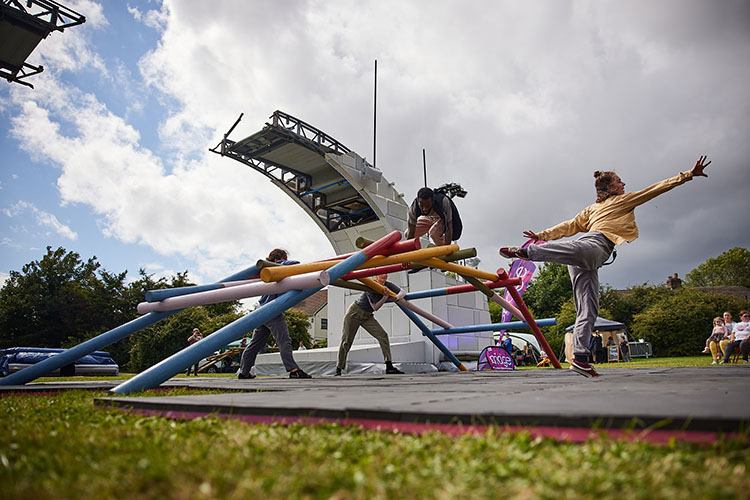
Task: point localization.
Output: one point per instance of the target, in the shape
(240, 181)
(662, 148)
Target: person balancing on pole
(608, 222)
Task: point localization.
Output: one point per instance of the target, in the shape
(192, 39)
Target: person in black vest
(431, 213)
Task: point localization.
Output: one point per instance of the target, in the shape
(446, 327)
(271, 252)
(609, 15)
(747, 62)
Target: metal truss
(48, 13)
(22, 26)
(285, 129)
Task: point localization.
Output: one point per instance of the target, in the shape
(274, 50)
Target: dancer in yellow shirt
(608, 222)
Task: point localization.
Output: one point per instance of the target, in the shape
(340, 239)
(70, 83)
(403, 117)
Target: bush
(169, 336)
(679, 323)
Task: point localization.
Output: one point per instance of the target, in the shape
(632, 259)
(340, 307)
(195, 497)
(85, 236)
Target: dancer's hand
(532, 235)
(697, 170)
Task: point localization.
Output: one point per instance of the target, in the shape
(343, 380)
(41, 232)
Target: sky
(519, 102)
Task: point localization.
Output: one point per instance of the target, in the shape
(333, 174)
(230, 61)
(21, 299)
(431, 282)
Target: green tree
(50, 300)
(731, 268)
(624, 305)
(159, 341)
(679, 323)
(548, 290)
(299, 327)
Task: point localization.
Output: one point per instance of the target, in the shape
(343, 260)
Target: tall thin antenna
(375, 117)
(424, 165)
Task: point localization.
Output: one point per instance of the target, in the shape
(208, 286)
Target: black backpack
(437, 205)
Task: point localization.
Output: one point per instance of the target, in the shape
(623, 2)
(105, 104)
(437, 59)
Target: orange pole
(459, 269)
(269, 274)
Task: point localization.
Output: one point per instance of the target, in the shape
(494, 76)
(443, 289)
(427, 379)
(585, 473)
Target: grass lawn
(61, 446)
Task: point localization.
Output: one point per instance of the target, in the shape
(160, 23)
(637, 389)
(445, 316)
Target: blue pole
(428, 333)
(100, 341)
(165, 293)
(493, 326)
(179, 362)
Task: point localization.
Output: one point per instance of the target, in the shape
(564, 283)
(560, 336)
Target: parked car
(18, 358)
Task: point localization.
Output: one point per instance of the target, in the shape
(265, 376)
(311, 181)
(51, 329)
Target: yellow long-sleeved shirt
(614, 217)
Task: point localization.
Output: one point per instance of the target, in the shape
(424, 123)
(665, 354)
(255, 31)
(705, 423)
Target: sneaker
(705, 351)
(338, 372)
(721, 362)
(298, 374)
(392, 370)
(584, 369)
(744, 361)
(714, 362)
(512, 253)
(243, 377)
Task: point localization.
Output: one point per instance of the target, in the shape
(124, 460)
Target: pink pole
(424, 314)
(297, 282)
(507, 305)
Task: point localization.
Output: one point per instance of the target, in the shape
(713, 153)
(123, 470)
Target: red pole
(521, 305)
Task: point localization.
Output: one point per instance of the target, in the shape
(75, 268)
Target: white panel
(397, 210)
(458, 316)
(467, 299)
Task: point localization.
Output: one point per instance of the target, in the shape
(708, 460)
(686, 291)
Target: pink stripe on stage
(565, 434)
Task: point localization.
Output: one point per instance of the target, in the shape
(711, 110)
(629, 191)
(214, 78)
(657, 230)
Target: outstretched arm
(531, 235)
(697, 170)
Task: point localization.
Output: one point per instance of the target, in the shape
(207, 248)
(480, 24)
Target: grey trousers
(277, 327)
(583, 257)
(354, 318)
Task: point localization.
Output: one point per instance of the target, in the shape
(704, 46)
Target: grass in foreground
(63, 447)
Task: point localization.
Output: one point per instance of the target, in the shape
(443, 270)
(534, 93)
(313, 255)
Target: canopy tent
(606, 327)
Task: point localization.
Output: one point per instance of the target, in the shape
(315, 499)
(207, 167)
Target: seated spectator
(729, 324)
(713, 341)
(528, 355)
(545, 360)
(740, 338)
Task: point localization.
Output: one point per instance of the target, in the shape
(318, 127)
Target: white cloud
(43, 218)
(156, 19)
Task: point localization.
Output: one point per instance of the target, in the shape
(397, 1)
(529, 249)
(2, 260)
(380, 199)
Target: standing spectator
(192, 339)
(507, 343)
(597, 348)
(740, 338)
(277, 327)
(301, 346)
(625, 349)
(608, 222)
(674, 282)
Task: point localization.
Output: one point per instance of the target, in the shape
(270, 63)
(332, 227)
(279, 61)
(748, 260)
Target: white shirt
(741, 330)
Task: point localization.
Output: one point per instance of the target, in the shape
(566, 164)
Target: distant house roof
(313, 303)
(740, 292)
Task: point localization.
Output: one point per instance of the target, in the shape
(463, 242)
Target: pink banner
(523, 269)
